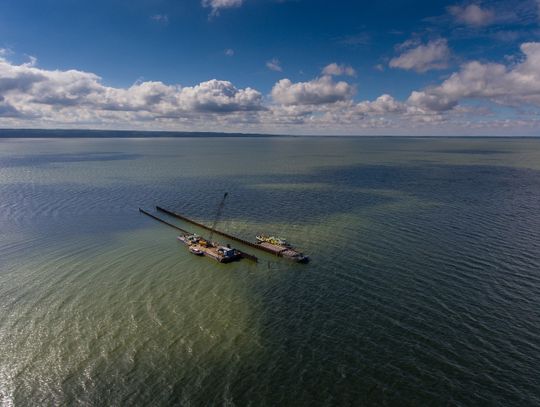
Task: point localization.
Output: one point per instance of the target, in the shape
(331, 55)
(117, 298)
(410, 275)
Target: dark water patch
(483, 204)
(64, 158)
(471, 151)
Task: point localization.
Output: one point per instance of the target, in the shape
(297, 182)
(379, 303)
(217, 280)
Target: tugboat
(280, 247)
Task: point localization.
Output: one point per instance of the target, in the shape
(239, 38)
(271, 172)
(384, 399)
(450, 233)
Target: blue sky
(217, 65)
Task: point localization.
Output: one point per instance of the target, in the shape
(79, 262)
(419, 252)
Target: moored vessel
(202, 247)
(280, 247)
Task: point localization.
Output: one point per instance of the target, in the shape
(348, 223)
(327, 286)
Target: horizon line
(121, 133)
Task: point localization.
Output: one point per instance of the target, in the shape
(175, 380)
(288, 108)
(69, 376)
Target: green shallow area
(421, 288)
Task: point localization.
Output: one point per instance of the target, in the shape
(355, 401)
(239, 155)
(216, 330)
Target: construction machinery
(218, 215)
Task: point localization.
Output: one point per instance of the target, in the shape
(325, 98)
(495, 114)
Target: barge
(279, 247)
(201, 247)
(282, 249)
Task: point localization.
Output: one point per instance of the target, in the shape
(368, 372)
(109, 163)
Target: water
(422, 289)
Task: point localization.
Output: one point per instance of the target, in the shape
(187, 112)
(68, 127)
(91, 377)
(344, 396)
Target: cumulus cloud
(421, 58)
(382, 105)
(338, 70)
(72, 96)
(27, 90)
(432, 100)
(218, 96)
(514, 84)
(36, 97)
(274, 65)
(318, 91)
(217, 5)
(7, 110)
(472, 15)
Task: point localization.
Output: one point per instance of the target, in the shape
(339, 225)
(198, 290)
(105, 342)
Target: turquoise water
(422, 288)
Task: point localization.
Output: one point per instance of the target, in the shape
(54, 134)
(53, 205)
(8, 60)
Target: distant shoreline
(93, 133)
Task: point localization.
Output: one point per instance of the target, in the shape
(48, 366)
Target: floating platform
(284, 251)
(212, 250)
(201, 247)
(277, 250)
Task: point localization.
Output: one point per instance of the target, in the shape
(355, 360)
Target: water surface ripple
(422, 289)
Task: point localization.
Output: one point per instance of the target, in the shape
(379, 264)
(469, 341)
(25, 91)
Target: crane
(218, 215)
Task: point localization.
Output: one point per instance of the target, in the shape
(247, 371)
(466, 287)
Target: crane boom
(218, 214)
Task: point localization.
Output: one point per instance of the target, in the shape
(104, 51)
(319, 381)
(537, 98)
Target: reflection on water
(421, 288)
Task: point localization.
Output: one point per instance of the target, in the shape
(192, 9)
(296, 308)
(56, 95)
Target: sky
(272, 66)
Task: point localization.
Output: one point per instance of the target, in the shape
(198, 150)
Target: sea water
(422, 288)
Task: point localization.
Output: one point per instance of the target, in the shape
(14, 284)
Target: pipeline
(243, 254)
(218, 232)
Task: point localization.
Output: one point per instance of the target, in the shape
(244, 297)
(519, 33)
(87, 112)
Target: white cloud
(515, 84)
(8, 110)
(160, 18)
(433, 55)
(318, 91)
(4, 52)
(30, 91)
(229, 52)
(382, 105)
(274, 65)
(472, 15)
(431, 101)
(217, 5)
(34, 97)
(218, 96)
(32, 61)
(338, 70)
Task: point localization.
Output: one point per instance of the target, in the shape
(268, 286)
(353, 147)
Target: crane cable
(218, 215)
